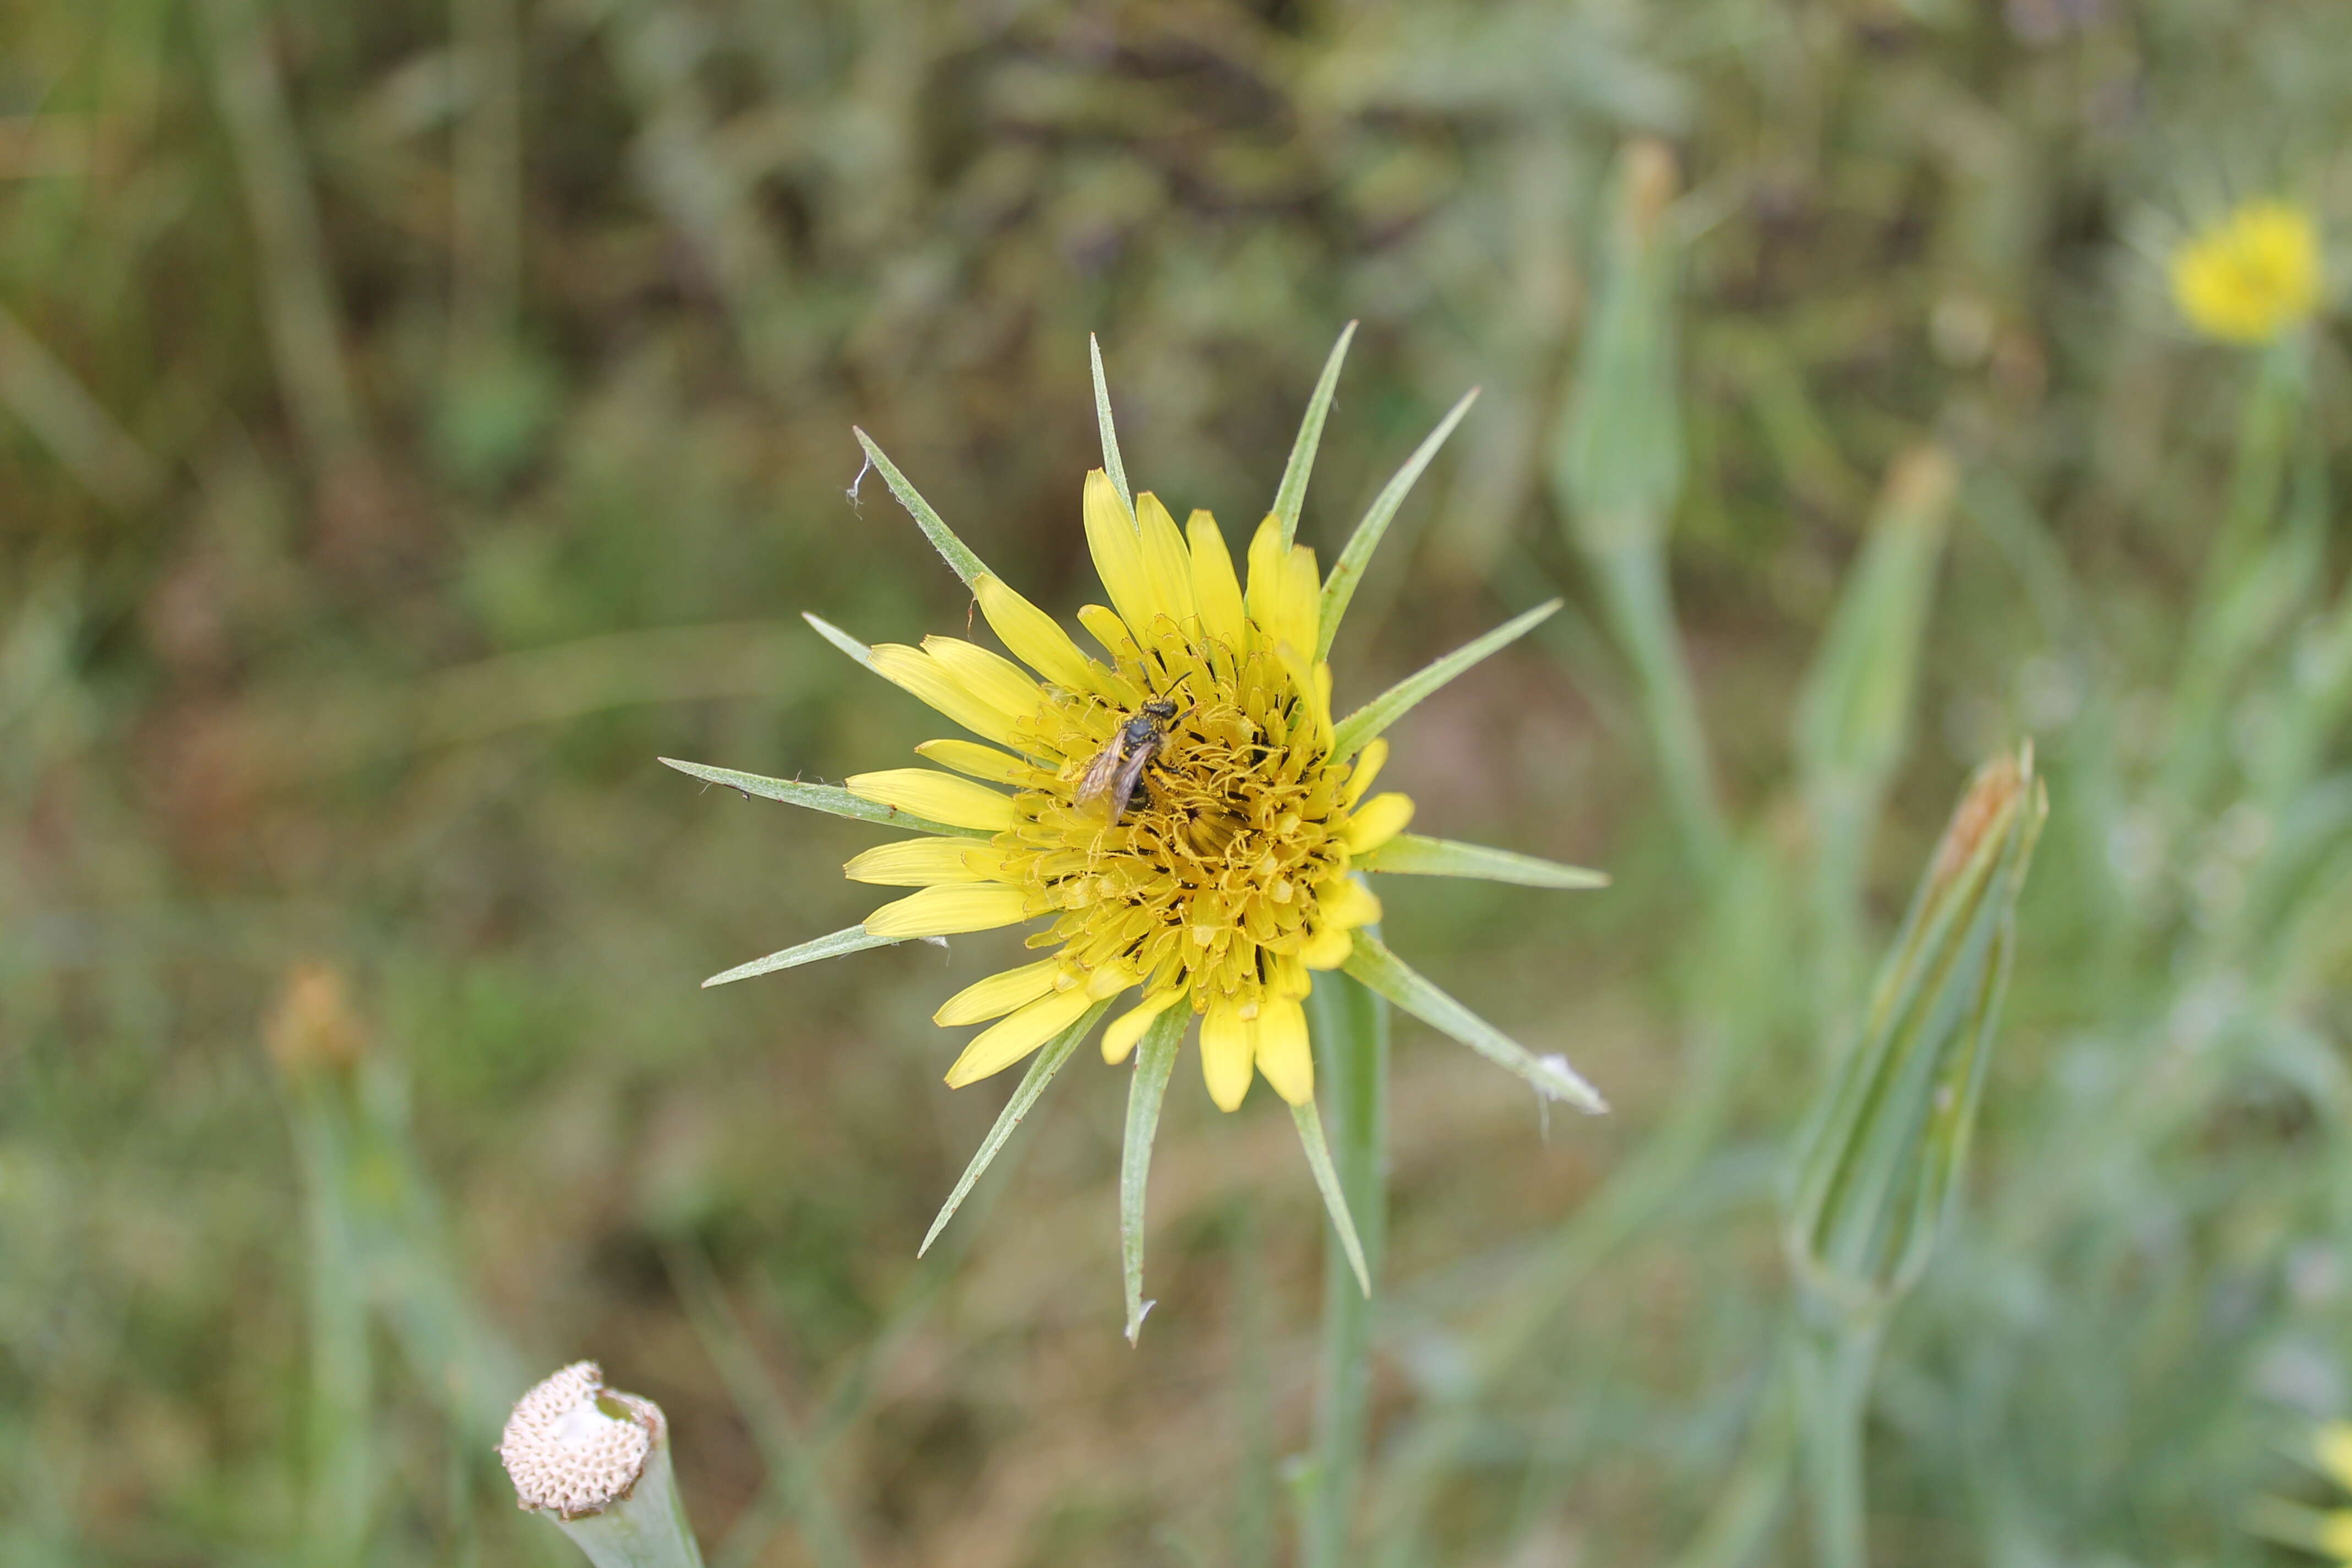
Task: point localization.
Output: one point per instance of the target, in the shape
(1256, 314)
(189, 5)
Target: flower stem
(1350, 1028)
(1633, 583)
(1834, 1357)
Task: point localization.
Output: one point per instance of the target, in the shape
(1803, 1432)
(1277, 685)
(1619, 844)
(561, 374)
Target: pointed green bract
(1111, 465)
(1155, 1059)
(831, 799)
(1326, 1182)
(1290, 498)
(1351, 733)
(1410, 854)
(1042, 1068)
(854, 940)
(1347, 572)
(840, 639)
(966, 565)
(1386, 975)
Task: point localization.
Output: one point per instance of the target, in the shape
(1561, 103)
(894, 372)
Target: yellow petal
(1263, 597)
(993, 678)
(2336, 1533)
(1228, 1051)
(982, 761)
(949, 909)
(1117, 549)
(1298, 609)
(1283, 1052)
(926, 863)
(999, 994)
(1167, 564)
(1109, 980)
(1376, 822)
(1328, 948)
(917, 671)
(1108, 629)
(1369, 762)
(1128, 1027)
(2334, 1445)
(1313, 683)
(1034, 637)
(1216, 593)
(1347, 903)
(942, 797)
(1001, 1044)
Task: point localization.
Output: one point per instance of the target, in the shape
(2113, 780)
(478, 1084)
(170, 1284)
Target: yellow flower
(2253, 276)
(1179, 814)
(2327, 1532)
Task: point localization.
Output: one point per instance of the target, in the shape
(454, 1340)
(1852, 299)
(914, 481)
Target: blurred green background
(415, 418)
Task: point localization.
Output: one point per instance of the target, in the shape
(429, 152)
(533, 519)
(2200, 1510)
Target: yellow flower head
(2327, 1532)
(2251, 277)
(1179, 814)
(1223, 880)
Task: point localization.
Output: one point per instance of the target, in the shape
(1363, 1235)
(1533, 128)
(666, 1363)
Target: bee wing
(1102, 771)
(1130, 773)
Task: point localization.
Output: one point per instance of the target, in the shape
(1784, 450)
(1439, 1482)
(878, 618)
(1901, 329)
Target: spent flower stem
(596, 1461)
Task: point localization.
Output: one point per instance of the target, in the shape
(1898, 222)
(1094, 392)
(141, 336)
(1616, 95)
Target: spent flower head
(596, 1461)
(1179, 813)
(2253, 276)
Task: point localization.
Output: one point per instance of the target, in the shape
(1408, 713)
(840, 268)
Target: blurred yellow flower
(2251, 277)
(2327, 1532)
(1221, 882)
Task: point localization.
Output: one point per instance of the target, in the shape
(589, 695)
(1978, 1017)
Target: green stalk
(342, 1380)
(2228, 597)
(1633, 585)
(1835, 1356)
(1350, 1028)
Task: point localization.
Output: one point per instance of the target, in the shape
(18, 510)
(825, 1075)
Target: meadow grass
(416, 419)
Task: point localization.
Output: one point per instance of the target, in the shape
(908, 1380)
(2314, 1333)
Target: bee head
(1161, 709)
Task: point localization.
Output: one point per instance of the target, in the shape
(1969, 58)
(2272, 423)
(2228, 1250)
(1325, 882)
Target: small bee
(1118, 767)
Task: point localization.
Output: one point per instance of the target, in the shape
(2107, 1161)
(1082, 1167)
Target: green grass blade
(839, 639)
(967, 565)
(1410, 854)
(854, 940)
(1042, 1068)
(1347, 572)
(1155, 1059)
(1111, 465)
(1358, 727)
(1326, 1182)
(793, 1461)
(1388, 975)
(831, 799)
(1290, 498)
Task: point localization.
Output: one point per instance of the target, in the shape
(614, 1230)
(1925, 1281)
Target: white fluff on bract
(565, 1450)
